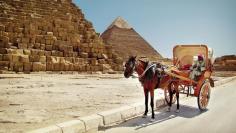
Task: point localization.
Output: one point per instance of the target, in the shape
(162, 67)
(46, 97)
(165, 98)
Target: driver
(198, 67)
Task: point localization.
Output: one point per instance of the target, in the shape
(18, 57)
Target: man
(197, 68)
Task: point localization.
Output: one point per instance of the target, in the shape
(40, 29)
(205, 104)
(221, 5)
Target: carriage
(183, 57)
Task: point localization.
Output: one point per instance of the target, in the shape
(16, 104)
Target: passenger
(197, 68)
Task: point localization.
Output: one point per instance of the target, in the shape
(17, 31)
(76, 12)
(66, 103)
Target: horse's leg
(177, 96)
(152, 103)
(146, 102)
(171, 96)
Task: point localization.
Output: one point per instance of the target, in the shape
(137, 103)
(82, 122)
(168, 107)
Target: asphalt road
(219, 118)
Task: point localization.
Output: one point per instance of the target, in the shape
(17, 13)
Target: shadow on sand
(161, 116)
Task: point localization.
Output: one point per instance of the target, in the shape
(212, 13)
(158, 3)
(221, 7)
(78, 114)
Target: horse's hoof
(168, 109)
(177, 111)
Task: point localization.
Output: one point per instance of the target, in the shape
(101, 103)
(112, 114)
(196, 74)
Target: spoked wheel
(204, 96)
(167, 94)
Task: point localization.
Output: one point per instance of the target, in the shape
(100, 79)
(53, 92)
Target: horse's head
(129, 66)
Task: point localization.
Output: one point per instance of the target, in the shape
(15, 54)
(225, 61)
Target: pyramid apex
(121, 23)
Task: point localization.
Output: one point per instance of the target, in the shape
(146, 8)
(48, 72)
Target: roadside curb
(92, 123)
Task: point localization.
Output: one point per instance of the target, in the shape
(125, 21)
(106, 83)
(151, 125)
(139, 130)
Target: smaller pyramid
(126, 41)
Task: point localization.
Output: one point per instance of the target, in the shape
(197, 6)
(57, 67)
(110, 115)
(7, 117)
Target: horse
(150, 78)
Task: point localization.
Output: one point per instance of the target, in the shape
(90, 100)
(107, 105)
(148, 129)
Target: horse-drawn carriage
(177, 78)
(183, 60)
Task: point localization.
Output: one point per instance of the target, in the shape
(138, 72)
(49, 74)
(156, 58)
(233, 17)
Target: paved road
(219, 118)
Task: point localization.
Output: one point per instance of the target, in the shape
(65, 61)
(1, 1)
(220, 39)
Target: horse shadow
(161, 116)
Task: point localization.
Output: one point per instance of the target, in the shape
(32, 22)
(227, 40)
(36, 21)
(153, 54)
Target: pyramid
(126, 41)
(50, 35)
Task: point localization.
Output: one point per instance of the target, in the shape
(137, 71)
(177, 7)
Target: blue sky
(164, 23)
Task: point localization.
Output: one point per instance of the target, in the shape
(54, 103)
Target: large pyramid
(126, 41)
(50, 35)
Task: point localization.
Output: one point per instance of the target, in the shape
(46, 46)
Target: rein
(147, 68)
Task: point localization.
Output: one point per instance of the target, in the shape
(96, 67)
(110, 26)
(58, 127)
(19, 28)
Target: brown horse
(150, 78)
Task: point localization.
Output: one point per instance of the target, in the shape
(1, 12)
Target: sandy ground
(31, 101)
(38, 100)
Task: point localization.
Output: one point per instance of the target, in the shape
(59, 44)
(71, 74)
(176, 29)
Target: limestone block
(101, 61)
(25, 40)
(73, 126)
(48, 53)
(41, 53)
(34, 52)
(94, 61)
(34, 58)
(3, 51)
(50, 129)
(42, 59)
(76, 67)
(37, 45)
(127, 112)
(7, 57)
(2, 28)
(36, 66)
(71, 67)
(4, 40)
(84, 55)
(42, 46)
(111, 117)
(53, 59)
(49, 66)
(27, 67)
(1, 57)
(26, 52)
(92, 122)
(18, 67)
(22, 45)
(4, 65)
(48, 47)
(19, 51)
(56, 66)
(15, 58)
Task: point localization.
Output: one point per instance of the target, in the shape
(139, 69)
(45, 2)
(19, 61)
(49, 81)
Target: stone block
(49, 66)
(84, 55)
(22, 45)
(42, 46)
(34, 58)
(15, 58)
(7, 57)
(27, 67)
(37, 45)
(3, 51)
(48, 47)
(92, 122)
(127, 112)
(111, 117)
(18, 67)
(139, 107)
(73, 126)
(38, 66)
(48, 53)
(50, 129)
(26, 52)
(42, 59)
(4, 65)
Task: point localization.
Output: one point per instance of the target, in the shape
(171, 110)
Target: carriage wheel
(204, 96)
(167, 94)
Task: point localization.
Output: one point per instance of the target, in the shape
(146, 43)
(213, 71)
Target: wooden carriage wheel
(204, 96)
(167, 94)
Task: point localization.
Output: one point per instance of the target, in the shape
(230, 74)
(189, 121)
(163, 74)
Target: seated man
(197, 68)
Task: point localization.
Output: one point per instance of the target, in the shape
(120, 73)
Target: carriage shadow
(161, 116)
